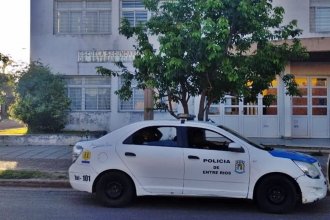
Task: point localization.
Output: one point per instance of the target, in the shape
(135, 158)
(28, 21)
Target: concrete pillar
(287, 116)
(285, 105)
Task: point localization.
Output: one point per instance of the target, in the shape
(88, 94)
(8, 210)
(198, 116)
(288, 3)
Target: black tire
(276, 194)
(115, 190)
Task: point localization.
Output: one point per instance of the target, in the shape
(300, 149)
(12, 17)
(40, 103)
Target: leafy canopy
(9, 72)
(41, 101)
(211, 48)
(5, 79)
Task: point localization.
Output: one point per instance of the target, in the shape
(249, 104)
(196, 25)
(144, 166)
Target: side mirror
(234, 147)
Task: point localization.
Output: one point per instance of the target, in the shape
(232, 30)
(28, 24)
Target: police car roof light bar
(185, 117)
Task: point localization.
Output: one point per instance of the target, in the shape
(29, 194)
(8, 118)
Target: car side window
(154, 136)
(206, 139)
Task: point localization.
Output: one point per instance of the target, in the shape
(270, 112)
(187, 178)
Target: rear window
(154, 136)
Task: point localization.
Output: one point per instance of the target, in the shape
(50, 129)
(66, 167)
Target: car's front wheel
(276, 194)
(115, 189)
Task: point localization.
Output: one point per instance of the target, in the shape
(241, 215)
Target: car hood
(293, 156)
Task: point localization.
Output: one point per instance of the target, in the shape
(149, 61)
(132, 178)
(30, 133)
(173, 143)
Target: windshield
(245, 139)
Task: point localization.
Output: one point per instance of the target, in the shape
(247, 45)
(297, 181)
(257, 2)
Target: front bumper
(81, 177)
(312, 190)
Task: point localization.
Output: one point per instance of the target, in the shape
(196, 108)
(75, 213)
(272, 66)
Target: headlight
(309, 169)
(77, 150)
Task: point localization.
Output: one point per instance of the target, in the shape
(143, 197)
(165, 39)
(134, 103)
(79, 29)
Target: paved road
(27, 203)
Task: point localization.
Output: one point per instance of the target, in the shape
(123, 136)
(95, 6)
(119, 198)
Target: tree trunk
(207, 110)
(200, 116)
(3, 112)
(185, 107)
(148, 104)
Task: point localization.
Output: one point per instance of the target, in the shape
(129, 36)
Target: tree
(7, 83)
(41, 101)
(210, 48)
(4, 61)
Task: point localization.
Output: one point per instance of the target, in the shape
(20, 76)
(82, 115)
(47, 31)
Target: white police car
(189, 158)
(328, 171)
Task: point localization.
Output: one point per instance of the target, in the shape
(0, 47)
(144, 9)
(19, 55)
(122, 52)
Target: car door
(155, 157)
(211, 168)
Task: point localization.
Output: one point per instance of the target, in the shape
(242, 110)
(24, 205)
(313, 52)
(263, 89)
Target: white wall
(60, 52)
(298, 10)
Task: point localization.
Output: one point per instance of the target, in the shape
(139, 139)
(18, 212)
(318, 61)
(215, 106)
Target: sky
(15, 29)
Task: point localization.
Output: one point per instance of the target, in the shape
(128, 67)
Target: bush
(41, 101)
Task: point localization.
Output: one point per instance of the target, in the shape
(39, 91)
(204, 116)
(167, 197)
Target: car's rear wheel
(276, 194)
(115, 189)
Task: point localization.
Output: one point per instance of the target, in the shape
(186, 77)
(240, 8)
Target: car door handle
(129, 154)
(193, 157)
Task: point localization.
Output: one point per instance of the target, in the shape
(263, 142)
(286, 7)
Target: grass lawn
(30, 174)
(14, 131)
(24, 130)
(22, 174)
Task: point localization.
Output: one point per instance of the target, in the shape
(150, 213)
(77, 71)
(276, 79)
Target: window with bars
(271, 91)
(233, 105)
(82, 17)
(319, 96)
(75, 95)
(134, 11)
(89, 93)
(300, 103)
(319, 16)
(135, 103)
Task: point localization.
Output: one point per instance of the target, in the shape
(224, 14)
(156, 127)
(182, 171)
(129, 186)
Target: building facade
(73, 37)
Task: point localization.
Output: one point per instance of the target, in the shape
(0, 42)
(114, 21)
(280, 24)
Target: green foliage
(9, 71)
(212, 48)
(41, 101)
(4, 78)
(31, 174)
(125, 91)
(23, 174)
(291, 85)
(4, 61)
(7, 85)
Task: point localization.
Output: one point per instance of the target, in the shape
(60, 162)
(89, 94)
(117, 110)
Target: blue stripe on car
(293, 156)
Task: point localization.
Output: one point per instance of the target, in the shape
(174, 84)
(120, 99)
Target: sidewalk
(57, 159)
(47, 159)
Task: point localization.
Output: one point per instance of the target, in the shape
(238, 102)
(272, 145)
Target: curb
(36, 183)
